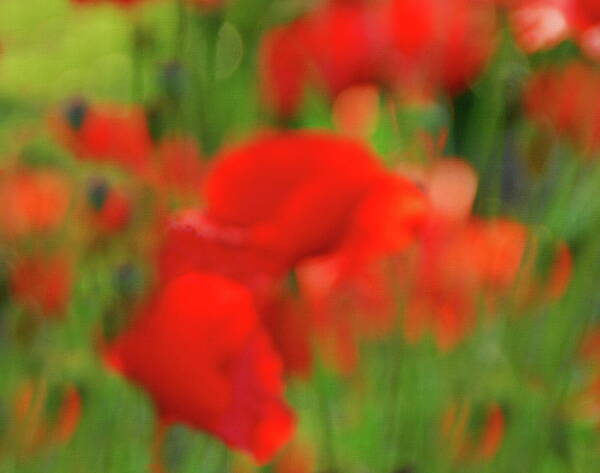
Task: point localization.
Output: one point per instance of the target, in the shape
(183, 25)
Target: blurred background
(406, 191)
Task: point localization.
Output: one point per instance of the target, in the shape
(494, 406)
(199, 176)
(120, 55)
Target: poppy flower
(42, 283)
(194, 243)
(110, 208)
(105, 133)
(283, 71)
(32, 202)
(565, 100)
(586, 23)
(179, 165)
(287, 197)
(458, 259)
(443, 44)
(481, 258)
(294, 192)
(286, 319)
(407, 45)
(333, 47)
(199, 351)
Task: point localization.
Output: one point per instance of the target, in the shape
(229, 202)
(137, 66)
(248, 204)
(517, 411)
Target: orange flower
(462, 259)
(350, 291)
(32, 201)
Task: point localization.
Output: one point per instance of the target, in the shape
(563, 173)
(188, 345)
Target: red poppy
(179, 167)
(283, 71)
(441, 43)
(295, 192)
(32, 201)
(586, 23)
(589, 8)
(106, 133)
(42, 283)
(199, 351)
(195, 243)
(335, 46)
(115, 213)
(285, 318)
(455, 267)
(459, 258)
(286, 197)
(424, 45)
(566, 100)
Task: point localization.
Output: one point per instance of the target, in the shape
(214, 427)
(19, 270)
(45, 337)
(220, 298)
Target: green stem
(324, 408)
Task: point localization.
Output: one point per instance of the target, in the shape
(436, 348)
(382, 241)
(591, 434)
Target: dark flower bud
(97, 193)
(128, 279)
(172, 79)
(75, 113)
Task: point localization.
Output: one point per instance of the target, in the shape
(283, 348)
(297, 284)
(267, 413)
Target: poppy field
(299, 236)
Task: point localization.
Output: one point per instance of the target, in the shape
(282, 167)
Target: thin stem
(326, 424)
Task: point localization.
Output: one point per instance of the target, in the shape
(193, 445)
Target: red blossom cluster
(36, 204)
(297, 245)
(222, 324)
(118, 135)
(566, 100)
(412, 48)
(272, 203)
